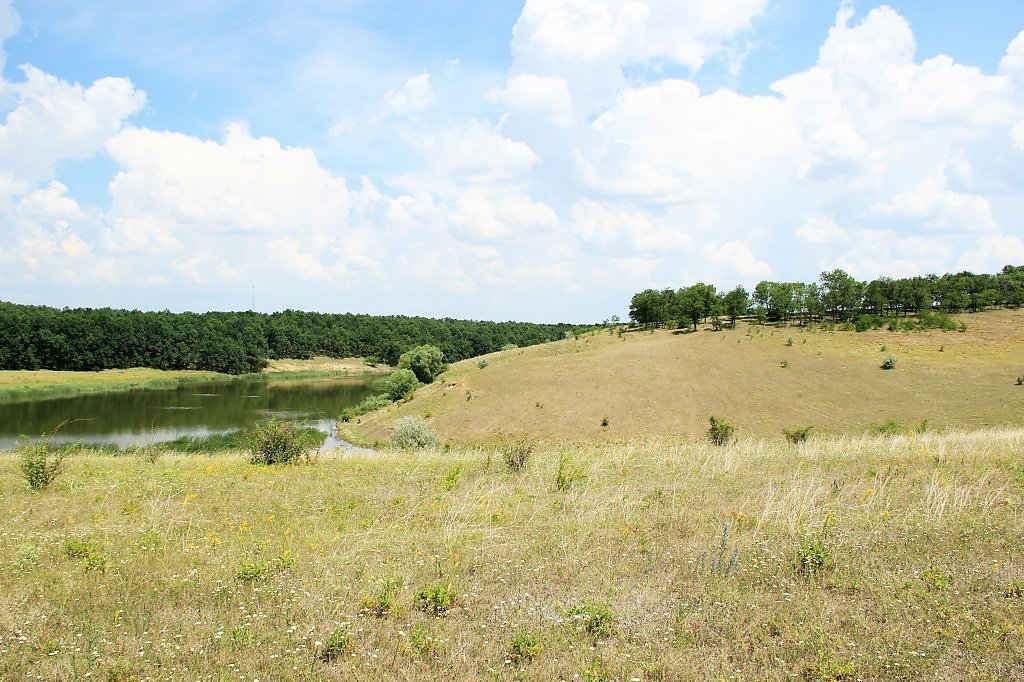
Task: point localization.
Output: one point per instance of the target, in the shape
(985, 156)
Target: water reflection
(149, 416)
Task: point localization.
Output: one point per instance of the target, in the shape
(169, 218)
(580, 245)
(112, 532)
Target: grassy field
(842, 558)
(19, 384)
(760, 378)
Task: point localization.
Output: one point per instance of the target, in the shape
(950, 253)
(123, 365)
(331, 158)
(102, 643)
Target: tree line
(836, 296)
(86, 339)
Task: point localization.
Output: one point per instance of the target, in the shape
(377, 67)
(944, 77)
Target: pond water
(142, 417)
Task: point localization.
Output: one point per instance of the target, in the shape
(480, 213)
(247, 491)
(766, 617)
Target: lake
(142, 417)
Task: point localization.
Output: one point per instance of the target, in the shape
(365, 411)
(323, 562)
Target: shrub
(369, 404)
(39, 464)
(481, 364)
(1020, 381)
(797, 434)
(597, 620)
(452, 478)
(336, 645)
(509, 346)
(282, 442)
(381, 601)
(523, 647)
(604, 422)
(887, 428)
(936, 579)
(425, 361)
(401, 384)
(720, 431)
(516, 451)
(436, 599)
(413, 433)
(890, 362)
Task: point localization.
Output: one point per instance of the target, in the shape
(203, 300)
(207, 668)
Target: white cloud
(737, 257)
(55, 120)
(9, 23)
(822, 230)
(412, 98)
(622, 231)
(544, 96)
(479, 216)
(938, 207)
(991, 252)
(473, 155)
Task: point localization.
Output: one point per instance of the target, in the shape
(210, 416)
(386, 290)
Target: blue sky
(499, 160)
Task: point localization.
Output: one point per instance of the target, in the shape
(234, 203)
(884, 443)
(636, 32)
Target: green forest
(837, 297)
(86, 339)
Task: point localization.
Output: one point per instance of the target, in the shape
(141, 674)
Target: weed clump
(887, 428)
(723, 562)
(336, 645)
(39, 464)
(436, 599)
(523, 647)
(516, 451)
(796, 434)
(381, 601)
(1020, 381)
(597, 620)
(567, 474)
(890, 362)
(720, 431)
(413, 433)
(481, 364)
(282, 442)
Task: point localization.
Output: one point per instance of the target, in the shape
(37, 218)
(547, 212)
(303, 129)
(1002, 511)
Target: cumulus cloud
(544, 96)
(412, 98)
(54, 120)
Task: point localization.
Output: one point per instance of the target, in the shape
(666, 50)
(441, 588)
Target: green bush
(39, 464)
(890, 362)
(797, 434)
(413, 433)
(720, 431)
(425, 361)
(509, 346)
(567, 474)
(436, 599)
(481, 364)
(282, 442)
(401, 384)
(368, 404)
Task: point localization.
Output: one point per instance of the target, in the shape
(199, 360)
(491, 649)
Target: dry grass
(668, 384)
(211, 568)
(32, 383)
(325, 364)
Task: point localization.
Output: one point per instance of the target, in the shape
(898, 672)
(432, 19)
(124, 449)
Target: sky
(537, 161)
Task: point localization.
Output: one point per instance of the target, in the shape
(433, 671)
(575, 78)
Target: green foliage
(936, 579)
(88, 553)
(436, 599)
(422, 640)
(524, 647)
(413, 433)
(452, 478)
(812, 558)
(509, 346)
(481, 364)
(516, 451)
(797, 434)
(722, 562)
(789, 340)
(604, 422)
(425, 361)
(251, 570)
(337, 645)
(1020, 381)
(890, 362)
(597, 620)
(381, 600)
(401, 384)
(1015, 590)
(282, 442)
(567, 473)
(720, 431)
(39, 464)
(886, 428)
(368, 404)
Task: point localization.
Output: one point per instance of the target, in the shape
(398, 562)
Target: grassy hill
(760, 378)
(844, 558)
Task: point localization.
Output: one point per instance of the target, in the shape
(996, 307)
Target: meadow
(613, 384)
(846, 557)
